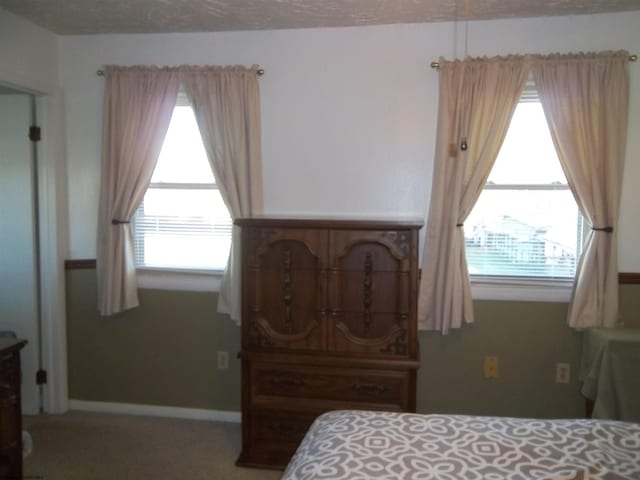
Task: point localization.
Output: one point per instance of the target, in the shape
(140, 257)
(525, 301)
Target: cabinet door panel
(286, 289)
(369, 292)
(376, 291)
(396, 245)
(393, 341)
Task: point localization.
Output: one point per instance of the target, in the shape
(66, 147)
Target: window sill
(183, 280)
(522, 290)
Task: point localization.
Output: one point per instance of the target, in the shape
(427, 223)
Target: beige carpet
(91, 446)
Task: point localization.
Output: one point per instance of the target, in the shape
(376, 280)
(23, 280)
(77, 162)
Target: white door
(18, 294)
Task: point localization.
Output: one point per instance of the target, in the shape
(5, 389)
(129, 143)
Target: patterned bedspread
(359, 445)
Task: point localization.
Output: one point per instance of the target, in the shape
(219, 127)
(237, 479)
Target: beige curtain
(585, 99)
(477, 99)
(138, 103)
(226, 102)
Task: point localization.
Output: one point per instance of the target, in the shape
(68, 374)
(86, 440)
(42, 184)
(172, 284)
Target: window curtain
(138, 103)
(226, 102)
(477, 100)
(585, 98)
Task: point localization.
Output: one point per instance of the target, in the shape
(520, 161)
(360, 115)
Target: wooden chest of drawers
(10, 413)
(328, 322)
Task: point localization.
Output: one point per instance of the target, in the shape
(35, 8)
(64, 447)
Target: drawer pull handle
(283, 428)
(6, 453)
(287, 383)
(370, 389)
(10, 400)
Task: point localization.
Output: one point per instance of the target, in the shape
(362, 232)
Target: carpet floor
(93, 446)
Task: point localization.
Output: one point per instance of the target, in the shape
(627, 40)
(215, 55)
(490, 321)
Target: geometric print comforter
(364, 445)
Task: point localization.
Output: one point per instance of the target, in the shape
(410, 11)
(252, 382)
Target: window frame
(525, 288)
(173, 277)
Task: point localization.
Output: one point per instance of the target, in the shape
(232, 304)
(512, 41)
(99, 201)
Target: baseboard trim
(155, 411)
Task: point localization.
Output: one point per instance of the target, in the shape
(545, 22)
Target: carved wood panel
(285, 291)
(369, 293)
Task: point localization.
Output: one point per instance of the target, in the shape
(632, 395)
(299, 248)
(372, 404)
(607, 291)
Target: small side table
(610, 372)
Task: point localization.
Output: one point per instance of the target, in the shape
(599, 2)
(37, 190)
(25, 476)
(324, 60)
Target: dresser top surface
(339, 223)
(10, 344)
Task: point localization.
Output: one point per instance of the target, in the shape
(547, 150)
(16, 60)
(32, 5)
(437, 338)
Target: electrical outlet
(563, 373)
(491, 366)
(223, 360)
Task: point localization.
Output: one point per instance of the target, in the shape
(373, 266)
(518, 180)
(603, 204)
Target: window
(182, 223)
(526, 223)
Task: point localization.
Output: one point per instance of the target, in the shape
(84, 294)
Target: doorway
(20, 307)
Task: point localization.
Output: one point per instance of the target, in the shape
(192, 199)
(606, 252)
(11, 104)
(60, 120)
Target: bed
(362, 445)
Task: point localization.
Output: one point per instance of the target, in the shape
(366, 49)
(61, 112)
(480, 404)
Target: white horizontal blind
(182, 223)
(526, 222)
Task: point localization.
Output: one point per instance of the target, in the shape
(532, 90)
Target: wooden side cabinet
(329, 321)
(10, 412)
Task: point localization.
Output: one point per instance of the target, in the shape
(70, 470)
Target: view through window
(183, 222)
(526, 222)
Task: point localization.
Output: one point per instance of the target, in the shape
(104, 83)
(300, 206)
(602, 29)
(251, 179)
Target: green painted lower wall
(161, 353)
(528, 339)
(164, 353)
(630, 305)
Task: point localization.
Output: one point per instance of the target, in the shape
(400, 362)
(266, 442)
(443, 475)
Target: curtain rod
(632, 58)
(259, 72)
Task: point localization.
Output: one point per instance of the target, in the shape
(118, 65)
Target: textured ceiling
(146, 16)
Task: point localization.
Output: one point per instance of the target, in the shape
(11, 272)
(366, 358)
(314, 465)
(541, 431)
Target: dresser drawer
(273, 437)
(347, 387)
(287, 427)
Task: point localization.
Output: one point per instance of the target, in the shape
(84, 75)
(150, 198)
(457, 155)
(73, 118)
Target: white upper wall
(348, 114)
(28, 55)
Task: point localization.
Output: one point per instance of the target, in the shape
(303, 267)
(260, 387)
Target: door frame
(53, 239)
